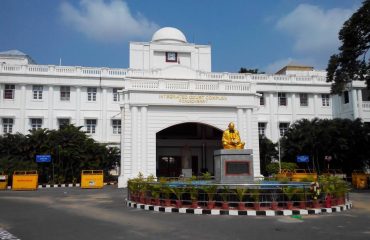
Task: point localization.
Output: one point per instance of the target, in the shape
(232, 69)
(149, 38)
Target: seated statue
(231, 138)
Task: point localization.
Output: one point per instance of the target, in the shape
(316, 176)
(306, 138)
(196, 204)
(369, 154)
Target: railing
(366, 105)
(157, 73)
(188, 86)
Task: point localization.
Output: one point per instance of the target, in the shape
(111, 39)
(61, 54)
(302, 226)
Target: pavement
(74, 213)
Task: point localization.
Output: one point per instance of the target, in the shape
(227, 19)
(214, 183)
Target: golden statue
(231, 138)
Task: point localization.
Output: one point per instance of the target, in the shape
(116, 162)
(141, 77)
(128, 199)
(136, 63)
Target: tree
(70, 148)
(268, 152)
(345, 140)
(250, 70)
(352, 62)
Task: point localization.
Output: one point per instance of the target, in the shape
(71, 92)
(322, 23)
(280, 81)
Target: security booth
(92, 179)
(3, 181)
(25, 180)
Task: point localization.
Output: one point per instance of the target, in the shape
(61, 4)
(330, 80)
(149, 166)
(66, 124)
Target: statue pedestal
(233, 166)
(187, 172)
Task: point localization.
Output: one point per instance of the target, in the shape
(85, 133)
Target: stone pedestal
(233, 166)
(187, 172)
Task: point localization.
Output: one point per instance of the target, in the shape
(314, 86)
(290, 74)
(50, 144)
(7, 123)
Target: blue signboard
(303, 158)
(43, 158)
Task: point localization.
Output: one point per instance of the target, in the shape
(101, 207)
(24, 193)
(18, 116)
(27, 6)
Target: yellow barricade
(3, 181)
(92, 179)
(25, 180)
(284, 174)
(303, 175)
(359, 180)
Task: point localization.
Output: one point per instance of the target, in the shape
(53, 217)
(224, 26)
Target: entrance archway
(186, 148)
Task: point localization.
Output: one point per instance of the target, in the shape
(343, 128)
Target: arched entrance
(186, 148)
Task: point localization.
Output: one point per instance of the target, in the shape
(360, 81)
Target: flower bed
(205, 194)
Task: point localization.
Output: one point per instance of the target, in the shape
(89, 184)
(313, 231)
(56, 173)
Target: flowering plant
(315, 190)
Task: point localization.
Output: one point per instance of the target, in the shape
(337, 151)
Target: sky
(263, 34)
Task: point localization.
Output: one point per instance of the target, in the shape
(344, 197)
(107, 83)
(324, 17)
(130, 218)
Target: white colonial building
(167, 111)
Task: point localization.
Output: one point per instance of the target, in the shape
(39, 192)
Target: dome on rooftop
(169, 34)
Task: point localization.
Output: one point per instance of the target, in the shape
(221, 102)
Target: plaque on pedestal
(233, 165)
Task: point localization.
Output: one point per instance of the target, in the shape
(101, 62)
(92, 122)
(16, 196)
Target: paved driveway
(72, 213)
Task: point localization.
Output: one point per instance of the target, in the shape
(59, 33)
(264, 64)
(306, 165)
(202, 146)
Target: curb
(199, 211)
(65, 185)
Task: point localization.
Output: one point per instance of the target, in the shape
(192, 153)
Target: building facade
(167, 110)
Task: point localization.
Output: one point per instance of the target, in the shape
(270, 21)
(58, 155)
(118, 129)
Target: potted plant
(133, 188)
(289, 192)
(155, 192)
(210, 190)
(328, 188)
(315, 193)
(177, 191)
(149, 183)
(224, 195)
(166, 193)
(193, 192)
(274, 196)
(302, 195)
(255, 194)
(341, 189)
(240, 192)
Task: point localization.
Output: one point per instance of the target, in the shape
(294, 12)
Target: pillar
(354, 103)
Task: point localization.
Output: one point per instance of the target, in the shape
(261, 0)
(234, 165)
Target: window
(90, 125)
(36, 123)
(115, 95)
(65, 93)
(62, 122)
(303, 99)
(262, 99)
(8, 125)
(171, 57)
(91, 94)
(37, 91)
(346, 97)
(325, 99)
(9, 91)
(282, 99)
(283, 127)
(261, 129)
(116, 124)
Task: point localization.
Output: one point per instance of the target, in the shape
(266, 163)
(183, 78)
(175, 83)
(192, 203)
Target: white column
(354, 103)
(122, 167)
(359, 100)
(134, 141)
(23, 100)
(144, 140)
(272, 123)
(78, 107)
(249, 128)
(293, 107)
(127, 166)
(50, 107)
(105, 121)
(240, 123)
(315, 104)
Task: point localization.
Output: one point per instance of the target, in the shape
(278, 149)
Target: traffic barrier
(303, 175)
(334, 172)
(359, 180)
(3, 181)
(92, 179)
(284, 174)
(25, 180)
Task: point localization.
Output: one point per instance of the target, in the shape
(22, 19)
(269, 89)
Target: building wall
(51, 108)
(147, 56)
